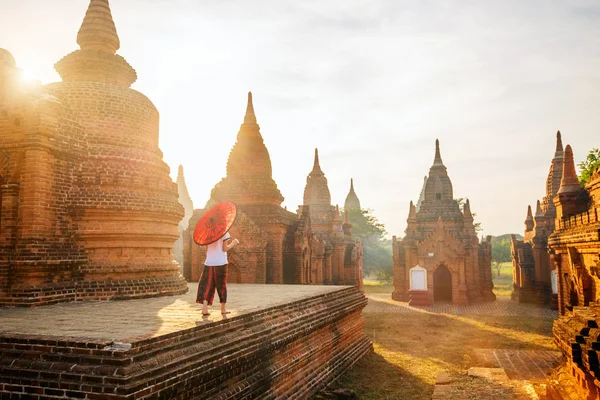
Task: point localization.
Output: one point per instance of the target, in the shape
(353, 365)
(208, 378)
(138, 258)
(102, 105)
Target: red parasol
(215, 223)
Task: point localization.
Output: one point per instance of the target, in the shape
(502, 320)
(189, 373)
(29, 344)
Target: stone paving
(533, 365)
(136, 319)
(503, 306)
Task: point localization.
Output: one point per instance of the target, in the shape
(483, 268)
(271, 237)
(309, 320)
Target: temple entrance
(442, 285)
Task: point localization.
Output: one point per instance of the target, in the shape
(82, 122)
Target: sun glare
(28, 75)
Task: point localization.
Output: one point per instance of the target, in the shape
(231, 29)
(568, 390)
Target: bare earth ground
(414, 345)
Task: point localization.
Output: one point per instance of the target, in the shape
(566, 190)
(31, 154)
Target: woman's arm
(228, 246)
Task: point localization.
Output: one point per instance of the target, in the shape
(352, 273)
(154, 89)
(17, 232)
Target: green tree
(501, 248)
(587, 166)
(365, 225)
(377, 251)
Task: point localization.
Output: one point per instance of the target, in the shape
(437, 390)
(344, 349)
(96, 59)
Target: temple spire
(352, 199)
(438, 158)
(467, 209)
(250, 117)
(559, 145)
(316, 165)
(412, 211)
(538, 210)
(98, 31)
(569, 182)
(529, 220)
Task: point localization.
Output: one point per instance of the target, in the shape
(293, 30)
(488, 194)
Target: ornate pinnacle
(569, 181)
(316, 165)
(98, 31)
(559, 146)
(250, 117)
(438, 158)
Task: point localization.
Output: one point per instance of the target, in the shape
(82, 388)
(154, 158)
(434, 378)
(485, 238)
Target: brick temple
(87, 207)
(441, 259)
(311, 246)
(534, 277)
(188, 206)
(574, 248)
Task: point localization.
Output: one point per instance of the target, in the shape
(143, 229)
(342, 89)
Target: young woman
(214, 275)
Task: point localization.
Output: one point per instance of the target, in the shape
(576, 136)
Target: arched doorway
(442, 285)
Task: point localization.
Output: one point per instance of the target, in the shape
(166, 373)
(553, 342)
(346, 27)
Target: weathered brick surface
(87, 206)
(289, 350)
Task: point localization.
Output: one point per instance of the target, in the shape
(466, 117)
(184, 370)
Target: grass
(411, 349)
(373, 285)
(503, 282)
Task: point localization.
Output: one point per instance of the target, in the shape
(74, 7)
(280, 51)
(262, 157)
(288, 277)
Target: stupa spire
(538, 209)
(412, 211)
(98, 31)
(559, 145)
(352, 199)
(569, 181)
(467, 209)
(529, 220)
(250, 117)
(438, 158)
(316, 165)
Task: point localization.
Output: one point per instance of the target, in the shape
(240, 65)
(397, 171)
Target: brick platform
(280, 341)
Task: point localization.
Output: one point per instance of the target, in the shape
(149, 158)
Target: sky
(370, 83)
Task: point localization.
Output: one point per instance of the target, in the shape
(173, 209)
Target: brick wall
(289, 350)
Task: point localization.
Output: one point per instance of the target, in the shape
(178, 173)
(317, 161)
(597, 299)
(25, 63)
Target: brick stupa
(88, 208)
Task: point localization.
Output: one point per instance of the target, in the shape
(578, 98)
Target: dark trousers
(212, 278)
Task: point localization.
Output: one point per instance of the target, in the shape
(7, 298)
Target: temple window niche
(418, 278)
(438, 196)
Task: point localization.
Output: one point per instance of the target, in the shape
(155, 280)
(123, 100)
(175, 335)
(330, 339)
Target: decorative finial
(98, 31)
(467, 209)
(529, 220)
(316, 165)
(438, 158)
(180, 170)
(538, 210)
(559, 145)
(250, 117)
(569, 182)
(412, 211)
(352, 184)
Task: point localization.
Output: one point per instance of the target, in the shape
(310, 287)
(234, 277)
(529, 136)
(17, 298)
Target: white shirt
(215, 256)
